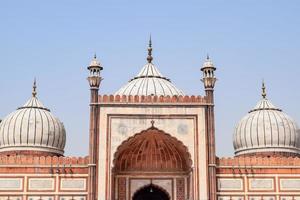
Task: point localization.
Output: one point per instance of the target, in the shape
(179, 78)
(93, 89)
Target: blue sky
(55, 40)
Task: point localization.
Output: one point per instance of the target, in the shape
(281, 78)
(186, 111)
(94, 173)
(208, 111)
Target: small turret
(209, 78)
(95, 69)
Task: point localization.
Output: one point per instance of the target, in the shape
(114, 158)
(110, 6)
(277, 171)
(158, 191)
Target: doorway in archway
(151, 193)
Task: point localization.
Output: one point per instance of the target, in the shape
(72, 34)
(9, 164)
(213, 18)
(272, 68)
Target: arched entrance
(151, 192)
(150, 158)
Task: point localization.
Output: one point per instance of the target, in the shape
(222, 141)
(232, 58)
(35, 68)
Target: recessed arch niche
(152, 156)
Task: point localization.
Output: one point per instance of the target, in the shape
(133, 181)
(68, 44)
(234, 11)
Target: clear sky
(54, 41)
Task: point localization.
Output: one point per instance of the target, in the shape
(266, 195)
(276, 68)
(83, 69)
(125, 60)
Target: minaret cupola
(209, 78)
(95, 69)
(208, 70)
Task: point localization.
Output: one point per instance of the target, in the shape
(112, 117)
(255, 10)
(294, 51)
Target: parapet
(124, 99)
(42, 160)
(259, 161)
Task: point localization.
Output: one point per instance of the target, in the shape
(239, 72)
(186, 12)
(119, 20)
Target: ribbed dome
(266, 129)
(149, 82)
(152, 150)
(32, 129)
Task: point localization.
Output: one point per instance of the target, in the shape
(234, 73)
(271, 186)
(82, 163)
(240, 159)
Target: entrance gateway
(151, 165)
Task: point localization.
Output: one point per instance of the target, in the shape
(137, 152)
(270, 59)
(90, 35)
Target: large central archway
(152, 156)
(151, 192)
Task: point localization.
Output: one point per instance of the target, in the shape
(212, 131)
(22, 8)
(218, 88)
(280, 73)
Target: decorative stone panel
(230, 198)
(73, 184)
(262, 197)
(11, 197)
(11, 184)
(268, 198)
(166, 184)
(254, 197)
(180, 189)
(36, 197)
(286, 198)
(72, 197)
(41, 184)
(265, 184)
(224, 198)
(230, 184)
(237, 198)
(289, 184)
(122, 188)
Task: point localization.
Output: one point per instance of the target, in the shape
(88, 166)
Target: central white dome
(149, 82)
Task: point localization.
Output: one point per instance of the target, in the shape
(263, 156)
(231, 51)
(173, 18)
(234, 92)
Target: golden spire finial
(264, 93)
(34, 88)
(150, 58)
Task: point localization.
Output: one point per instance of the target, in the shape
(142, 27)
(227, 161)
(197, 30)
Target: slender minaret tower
(209, 78)
(209, 81)
(94, 80)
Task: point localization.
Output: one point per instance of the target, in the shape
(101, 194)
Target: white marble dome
(266, 129)
(149, 82)
(32, 128)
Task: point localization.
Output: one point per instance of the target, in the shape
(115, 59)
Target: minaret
(209, 78)
(209, 81)
(94, 80)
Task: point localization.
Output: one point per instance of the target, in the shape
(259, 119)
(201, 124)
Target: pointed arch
(152, 150)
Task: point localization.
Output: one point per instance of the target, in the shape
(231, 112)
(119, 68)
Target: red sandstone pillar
(94, 82)
(209, 81)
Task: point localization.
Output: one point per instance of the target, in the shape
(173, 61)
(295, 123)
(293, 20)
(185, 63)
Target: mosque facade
(148, 141)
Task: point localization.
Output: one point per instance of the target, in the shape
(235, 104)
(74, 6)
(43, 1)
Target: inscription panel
(261, 184)
(73, 184)
(289, 184)
(226, 184)
(11, 184)
(41, 184)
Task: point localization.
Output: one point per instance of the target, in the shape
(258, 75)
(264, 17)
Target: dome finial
(34, 88)
(207, 57)
(150, 58)
(264, 93)
(95, 56)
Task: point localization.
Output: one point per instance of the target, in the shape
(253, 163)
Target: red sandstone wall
(258, 178)
(26, 177)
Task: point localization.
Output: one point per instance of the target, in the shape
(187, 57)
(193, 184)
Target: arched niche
(152, 150)
(152, 155)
